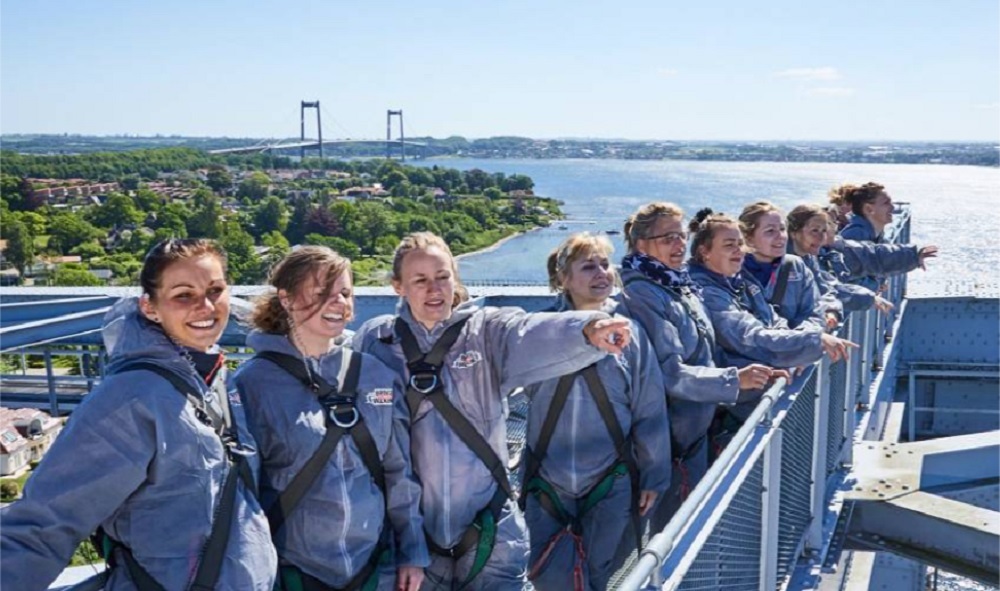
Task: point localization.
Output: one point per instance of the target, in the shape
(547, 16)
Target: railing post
(770, 504)
(53, 401)
(821, 426)
(852, 385)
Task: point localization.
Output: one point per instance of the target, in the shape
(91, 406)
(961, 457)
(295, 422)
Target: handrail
(661, 544)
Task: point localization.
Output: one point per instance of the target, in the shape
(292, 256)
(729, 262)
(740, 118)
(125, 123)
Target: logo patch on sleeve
(380, 397)
(467, 360)
(234, 397)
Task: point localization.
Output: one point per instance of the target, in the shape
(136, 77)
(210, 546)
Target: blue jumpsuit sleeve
(697, 383)
(538, 346)
(855, 297)
(402, 488)
(824, 301)
(855, 232)
(739, 331)
(869, 258)
(650, 425)
(66, 499)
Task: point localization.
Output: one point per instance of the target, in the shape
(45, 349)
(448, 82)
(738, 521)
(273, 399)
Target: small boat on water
(563, 228)
(612, 232)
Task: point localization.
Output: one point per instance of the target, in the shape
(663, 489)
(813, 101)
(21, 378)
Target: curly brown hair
(290, 274)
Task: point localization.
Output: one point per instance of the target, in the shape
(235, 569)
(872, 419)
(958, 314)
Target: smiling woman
(160, 436)
(307, 395)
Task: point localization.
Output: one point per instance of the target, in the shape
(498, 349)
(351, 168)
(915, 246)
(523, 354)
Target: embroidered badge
(753, 289)
(467, 360)
(380, 397)
(234, 397)
(794, 275)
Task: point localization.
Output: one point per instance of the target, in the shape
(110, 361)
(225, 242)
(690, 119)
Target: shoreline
(497, 244)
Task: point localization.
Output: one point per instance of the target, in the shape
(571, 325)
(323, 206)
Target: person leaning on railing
(872, 212)
(788, 282)
(660, 295)
(747, 327)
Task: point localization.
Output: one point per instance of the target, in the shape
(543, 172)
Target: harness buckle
(430, 380)
(335, 411)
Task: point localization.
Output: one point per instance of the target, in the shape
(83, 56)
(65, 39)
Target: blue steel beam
(21, 312)
(38, 331)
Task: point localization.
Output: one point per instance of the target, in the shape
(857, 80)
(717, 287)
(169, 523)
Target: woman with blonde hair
(597, 448)
(459, 361)
(333, 434)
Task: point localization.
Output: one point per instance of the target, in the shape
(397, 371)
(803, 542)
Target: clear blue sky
(735, 69)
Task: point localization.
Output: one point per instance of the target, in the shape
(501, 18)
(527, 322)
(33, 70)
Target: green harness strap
(291, 578)
(487, 527)
(602, 489)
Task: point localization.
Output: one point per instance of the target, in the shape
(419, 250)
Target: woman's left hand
(647, 499)
(609, 334)
(409, 578)
(832, 320)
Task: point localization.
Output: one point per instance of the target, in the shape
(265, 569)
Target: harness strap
(705, 337)
(341, 418)
(549, 500)
(481, 536)
(292, 578)
(213, 552)
(781, 283)
(424, 367)
(425, 382)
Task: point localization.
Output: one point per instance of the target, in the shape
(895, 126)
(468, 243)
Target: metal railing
(761, 505)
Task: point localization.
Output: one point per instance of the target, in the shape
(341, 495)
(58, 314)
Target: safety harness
(547, 497)
(705, 339)
(425, 382)
(214, 550)
(781, 283)
(342, 418)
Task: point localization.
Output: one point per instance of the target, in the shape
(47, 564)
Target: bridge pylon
(388, 134)
(319, 126)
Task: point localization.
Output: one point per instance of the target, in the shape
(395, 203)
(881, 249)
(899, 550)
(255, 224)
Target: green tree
(117, 211)
(371, 222)
(20, 244)
(68, 231)
(129, 182)
(254, 187)
(243, 263)
(343, 247)
(219, 179)
(206, 220)
(173, 218)
(72, 274)
(88, 250)
(271, 215)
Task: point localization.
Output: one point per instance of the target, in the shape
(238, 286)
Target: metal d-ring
(427, 390)
(344, 424)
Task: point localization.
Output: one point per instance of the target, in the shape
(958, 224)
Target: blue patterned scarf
(656, 271)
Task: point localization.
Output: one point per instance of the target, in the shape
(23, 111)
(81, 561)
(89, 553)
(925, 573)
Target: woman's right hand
(754, 376)
(609, 334)
(883, 305)
(836, 347)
